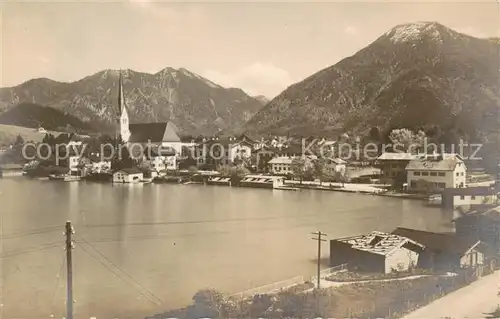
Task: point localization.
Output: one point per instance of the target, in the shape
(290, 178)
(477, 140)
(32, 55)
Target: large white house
(281, 165)
(436, 172)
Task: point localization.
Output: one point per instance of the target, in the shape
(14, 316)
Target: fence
(271, 288)
(330, 271)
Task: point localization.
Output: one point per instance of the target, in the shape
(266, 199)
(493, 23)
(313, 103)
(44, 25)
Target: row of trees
(305, 169)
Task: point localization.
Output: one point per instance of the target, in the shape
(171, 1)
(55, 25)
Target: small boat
(435, 200)
(64, 178)
(287, 188)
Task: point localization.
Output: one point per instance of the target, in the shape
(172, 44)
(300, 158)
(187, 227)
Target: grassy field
(8, 134)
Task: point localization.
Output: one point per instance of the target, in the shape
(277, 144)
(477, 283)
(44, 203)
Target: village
(156, 153)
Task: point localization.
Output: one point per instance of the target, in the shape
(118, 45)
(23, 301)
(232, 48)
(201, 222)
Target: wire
(58, 280)
(198, 234)
(29, 250)
(152, 297)
(34, 232)
(195, 221)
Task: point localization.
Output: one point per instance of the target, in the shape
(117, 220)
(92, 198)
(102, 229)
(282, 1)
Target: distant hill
(193, 103)
(35, 116)
(414, 75)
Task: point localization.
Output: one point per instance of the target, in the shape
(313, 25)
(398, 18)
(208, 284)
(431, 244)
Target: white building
(454, 197)
(336, 165)
(281, 165)
(128, 175)
(436, 172)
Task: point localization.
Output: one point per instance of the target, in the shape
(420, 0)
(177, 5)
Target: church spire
(121, 99)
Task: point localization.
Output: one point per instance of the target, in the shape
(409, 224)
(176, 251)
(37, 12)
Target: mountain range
(194, 104)
(414, 75)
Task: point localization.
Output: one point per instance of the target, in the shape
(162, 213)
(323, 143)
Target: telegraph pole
(319, 238)
(69, 264)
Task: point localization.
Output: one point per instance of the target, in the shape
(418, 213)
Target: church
(158, 134)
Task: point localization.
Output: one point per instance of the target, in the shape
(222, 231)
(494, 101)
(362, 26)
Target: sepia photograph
(249, 159)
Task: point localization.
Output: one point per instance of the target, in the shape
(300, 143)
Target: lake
(135, 244)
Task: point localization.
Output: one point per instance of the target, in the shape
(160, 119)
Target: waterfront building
(128, 175)
(436, 172)
(281, 165)
(393, 166)
(446, 251)
(375, 252)
(454, 197)
(218, 151)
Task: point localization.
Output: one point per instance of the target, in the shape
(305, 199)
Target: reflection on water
(171, 240)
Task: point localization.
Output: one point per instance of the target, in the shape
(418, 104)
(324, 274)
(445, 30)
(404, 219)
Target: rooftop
(440, 162)
(378, 242)
(281, 160)
(448, 242)
(389, 156)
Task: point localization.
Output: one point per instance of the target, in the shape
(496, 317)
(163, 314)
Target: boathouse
(128, 175)
(262, 181)
(375, 252)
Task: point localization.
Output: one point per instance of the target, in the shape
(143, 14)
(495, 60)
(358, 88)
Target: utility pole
(69, 264)
(319, 238)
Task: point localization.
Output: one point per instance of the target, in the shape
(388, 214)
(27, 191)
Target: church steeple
(121, 99)
(123, 124)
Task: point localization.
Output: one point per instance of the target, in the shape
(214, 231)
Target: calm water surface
(136, 243)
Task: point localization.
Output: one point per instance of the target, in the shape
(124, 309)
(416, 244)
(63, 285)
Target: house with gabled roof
(435, 172)
(393, 166)
(447, 251)
(375, 252)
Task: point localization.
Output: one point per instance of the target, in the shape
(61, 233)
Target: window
(416, 173)
(473, 197)
(458, 174)
(425, 173)
(433, 174)
(462, 197)
(442, 174)
(462, 174)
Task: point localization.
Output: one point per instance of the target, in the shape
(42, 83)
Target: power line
(152, 297)
(59, 274)
(200, 234)
(197, 221)
(29, 250)
(30, 233)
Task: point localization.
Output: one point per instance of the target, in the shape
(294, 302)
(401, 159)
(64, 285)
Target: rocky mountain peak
(418, 31)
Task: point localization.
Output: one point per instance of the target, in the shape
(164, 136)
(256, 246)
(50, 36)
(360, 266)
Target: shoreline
(363, 189)
(357, 191)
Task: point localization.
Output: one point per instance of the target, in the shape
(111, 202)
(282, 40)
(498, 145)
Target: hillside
(195, 104)
(414, 75)
(35, 116)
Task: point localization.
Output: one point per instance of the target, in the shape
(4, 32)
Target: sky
(261, 47)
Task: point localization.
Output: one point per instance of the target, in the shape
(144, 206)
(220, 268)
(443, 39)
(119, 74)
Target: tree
(298, 168)
(374, 134)
(19, 140)
(209, 303)
(405, 140)
(320, 169)
(122, 159)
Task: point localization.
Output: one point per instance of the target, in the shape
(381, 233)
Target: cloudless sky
(261, 47)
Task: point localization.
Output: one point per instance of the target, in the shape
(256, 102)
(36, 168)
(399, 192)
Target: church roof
(153, 132)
